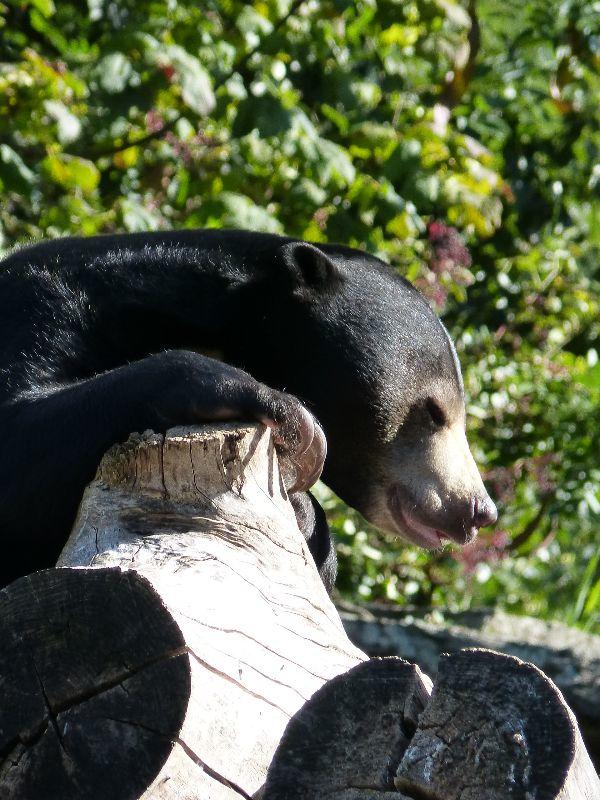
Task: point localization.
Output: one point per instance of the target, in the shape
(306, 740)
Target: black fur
(313, 523)
(99, 338)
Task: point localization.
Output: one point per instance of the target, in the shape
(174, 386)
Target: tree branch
(532, 525)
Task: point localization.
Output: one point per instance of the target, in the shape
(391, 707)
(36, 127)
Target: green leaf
(252, 24)
(72, 172)
(593, 599)
(45, 7)
(586, 585)
(196, 86)
(96, 9)
(339, 120)
(265, 114)
(69, 126)
(15, 175)
(455, 13)
(591, 377)
(401, 35)
(136, 217)
(114, 72)
(196, 89)
(242, 212)
(333, 163)
(308, 191)
(234, 210)
(373, 134)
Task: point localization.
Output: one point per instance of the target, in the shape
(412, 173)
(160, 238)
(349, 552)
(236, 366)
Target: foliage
(378, 124)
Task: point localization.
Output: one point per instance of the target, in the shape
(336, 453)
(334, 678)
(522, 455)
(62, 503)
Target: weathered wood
(94, 680)
(570, 657)
(495, 728)
(348, 739)
(171, 668)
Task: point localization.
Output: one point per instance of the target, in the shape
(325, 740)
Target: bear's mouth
(413, 529)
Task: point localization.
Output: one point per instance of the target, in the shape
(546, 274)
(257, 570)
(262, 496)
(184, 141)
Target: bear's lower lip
(418, 533)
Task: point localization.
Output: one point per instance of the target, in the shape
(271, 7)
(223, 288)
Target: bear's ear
(309, 267)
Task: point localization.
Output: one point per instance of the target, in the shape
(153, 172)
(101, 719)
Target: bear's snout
(484, 512)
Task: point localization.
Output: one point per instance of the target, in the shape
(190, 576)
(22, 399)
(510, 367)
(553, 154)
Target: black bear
(108, 335)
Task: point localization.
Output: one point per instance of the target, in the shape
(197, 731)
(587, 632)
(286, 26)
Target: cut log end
(496, 727)
(349, 738)
(195, 464)
(95, 684)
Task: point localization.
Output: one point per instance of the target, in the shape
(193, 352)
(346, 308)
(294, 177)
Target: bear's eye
(435, 412)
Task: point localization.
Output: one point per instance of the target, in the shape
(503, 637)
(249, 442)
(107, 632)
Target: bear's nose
(484, 512)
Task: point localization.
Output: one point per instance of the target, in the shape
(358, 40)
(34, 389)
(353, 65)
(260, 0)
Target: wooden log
(170, 666)
(495, 728)
(570, 657)
(346, 742)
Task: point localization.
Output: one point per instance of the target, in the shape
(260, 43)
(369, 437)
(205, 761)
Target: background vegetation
(390, 126)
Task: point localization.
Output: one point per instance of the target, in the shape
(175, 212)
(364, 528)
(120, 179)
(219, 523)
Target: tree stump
(171, 668)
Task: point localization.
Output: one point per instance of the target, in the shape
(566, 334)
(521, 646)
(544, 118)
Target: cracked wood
(169, 666)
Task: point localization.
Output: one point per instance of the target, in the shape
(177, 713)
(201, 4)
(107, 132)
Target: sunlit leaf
(68, 125)
(71, 172)
(114, 72)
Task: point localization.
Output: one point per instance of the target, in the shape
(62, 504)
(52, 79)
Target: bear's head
(362, 347)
